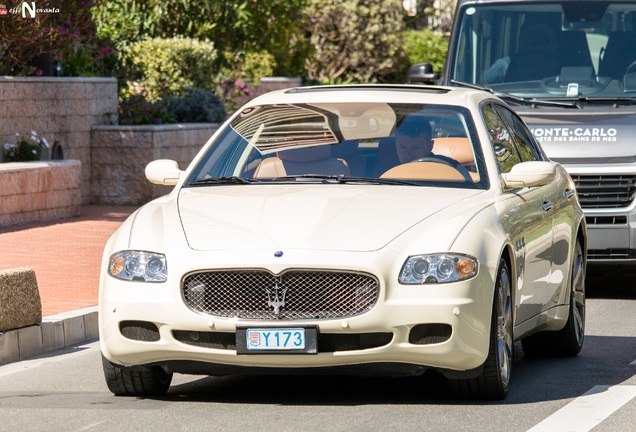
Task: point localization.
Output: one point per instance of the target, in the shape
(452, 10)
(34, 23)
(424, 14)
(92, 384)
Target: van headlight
(437, 268)
(138, 266)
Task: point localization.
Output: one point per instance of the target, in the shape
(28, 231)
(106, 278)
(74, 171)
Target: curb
(53, 333)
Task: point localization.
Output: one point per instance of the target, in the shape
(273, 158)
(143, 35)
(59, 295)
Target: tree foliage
(22, 39)
(353, 40)
(425, 46)
(231, 25)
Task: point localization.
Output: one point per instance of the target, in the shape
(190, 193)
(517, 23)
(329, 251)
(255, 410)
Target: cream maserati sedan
(363, 229)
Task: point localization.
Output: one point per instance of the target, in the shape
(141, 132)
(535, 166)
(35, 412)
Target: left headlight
(437, 268)
(138, 266)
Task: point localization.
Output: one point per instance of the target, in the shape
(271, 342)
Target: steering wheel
(629, 82)
(457, 166)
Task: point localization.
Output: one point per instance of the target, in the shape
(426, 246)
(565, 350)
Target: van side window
(501, 139)
(528, 149)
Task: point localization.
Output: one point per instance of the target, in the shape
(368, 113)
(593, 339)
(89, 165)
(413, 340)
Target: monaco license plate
(276, 340)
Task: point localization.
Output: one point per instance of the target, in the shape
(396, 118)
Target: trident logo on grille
(279, 297)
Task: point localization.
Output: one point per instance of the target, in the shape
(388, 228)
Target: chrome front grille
(292, 295)
(605, 191)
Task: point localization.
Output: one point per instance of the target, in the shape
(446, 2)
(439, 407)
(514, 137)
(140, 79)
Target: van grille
(292, 295)
(605, 191)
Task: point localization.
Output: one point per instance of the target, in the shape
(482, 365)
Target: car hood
(317, 217)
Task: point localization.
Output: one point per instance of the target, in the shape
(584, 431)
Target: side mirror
(422, 73)
(530, 174)
(163, 172)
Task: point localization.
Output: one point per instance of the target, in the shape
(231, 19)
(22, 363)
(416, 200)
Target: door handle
(569, 193)
(547, 206)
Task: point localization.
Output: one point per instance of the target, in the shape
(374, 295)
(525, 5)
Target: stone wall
(36, 191)
(81, 113)
(59, 109)
(120, 155)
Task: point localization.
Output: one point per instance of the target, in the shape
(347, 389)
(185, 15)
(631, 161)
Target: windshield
(372, 143)
(580, 50)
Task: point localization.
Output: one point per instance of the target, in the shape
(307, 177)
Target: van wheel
(123, 381)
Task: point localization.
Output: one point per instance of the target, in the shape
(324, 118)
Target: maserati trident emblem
(278, 295)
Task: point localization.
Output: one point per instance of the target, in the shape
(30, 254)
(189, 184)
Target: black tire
(568, 341)
(494, 380)
(123, 381)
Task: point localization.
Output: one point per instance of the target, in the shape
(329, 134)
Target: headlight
(438, 268)
(138, 266)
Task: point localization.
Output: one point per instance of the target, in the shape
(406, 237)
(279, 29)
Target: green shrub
(425, 46)
(197, 105)
(354, 40)
(135, 109)
(25, 149)
(236, 81)
(274, 26)
(170, 66)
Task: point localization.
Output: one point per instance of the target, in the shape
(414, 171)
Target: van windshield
(563, 50)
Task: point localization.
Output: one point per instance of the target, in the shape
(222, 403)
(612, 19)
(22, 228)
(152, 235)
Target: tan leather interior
(270, 168)
(455, 148)
(310, 160)
(424, 171)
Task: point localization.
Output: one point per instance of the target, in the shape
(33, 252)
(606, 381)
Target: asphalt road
(65, 391)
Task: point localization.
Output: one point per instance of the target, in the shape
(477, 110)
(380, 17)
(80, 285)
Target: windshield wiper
(622, 100)
(220, 180)
(341, 179)
(518, 99)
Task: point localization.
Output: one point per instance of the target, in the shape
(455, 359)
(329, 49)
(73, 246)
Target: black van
(568, 67)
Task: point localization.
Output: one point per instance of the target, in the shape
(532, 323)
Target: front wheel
(493, 381)
(123, 381)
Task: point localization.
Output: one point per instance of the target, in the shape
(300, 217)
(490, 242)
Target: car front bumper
(440, 326)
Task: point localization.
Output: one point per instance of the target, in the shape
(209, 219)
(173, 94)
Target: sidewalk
(66, 256)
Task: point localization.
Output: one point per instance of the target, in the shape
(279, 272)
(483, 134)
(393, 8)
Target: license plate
(276, 340)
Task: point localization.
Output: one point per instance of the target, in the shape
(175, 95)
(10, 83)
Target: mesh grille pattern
(603, 191)
(293, 295)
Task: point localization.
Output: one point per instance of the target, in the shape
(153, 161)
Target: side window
(526, 145)
(501, 140)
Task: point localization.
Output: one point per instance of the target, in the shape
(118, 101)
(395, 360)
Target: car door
(533, 246)
(557, 205)
(558, 202)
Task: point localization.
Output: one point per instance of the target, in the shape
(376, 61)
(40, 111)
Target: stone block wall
(59, 108)
(81, 113)
(120, 155)
(36, 191)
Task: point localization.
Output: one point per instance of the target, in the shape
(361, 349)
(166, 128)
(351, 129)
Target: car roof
(380, 93)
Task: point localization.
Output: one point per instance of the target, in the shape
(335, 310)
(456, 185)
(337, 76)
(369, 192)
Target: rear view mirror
(422, 73)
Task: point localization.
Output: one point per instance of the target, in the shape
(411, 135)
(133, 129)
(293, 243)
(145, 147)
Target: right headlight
(437, 268)
(138, 266)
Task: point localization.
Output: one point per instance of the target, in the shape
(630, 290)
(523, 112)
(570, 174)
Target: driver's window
(528, 150)
(501, 140)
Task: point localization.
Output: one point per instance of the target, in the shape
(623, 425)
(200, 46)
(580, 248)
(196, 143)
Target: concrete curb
(55, 332)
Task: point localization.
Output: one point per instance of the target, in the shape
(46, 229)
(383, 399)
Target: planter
(39, 190)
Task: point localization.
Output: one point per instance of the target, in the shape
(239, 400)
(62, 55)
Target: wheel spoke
(504, 327)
